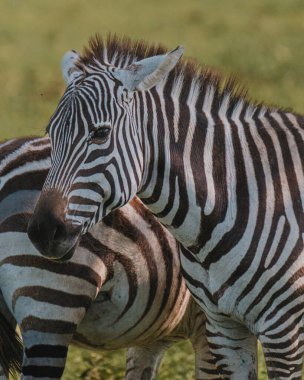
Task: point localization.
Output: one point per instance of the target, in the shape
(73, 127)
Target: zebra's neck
(198, 166)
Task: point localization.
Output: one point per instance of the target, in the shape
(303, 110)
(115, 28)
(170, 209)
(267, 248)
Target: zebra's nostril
(60, 233)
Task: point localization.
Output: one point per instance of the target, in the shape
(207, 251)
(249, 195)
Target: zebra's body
(129, 260)
(225, 175)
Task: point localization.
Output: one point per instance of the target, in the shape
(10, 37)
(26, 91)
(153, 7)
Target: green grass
(178, 364)
(261, 41)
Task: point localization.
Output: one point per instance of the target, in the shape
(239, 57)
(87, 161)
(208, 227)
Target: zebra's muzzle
(53, 236)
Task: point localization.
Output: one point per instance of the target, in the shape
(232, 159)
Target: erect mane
(123, 51)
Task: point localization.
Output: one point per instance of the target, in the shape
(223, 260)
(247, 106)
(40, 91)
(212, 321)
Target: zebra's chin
(68, 255)
(62, 252)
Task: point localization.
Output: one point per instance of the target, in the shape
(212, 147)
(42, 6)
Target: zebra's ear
(144, 74)
(68, 66)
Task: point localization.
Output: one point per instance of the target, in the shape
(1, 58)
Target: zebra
(223, 173)
(129, 261)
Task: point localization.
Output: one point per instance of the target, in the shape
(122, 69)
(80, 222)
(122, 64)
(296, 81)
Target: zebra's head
(97, 147)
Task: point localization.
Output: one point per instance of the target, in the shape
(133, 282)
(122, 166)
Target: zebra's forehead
(83, 101)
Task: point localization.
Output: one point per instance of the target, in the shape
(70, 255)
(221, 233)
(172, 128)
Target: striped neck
(198, 166)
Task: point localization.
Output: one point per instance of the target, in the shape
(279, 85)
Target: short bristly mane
(121, 52)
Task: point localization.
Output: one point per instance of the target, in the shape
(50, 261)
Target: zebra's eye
(99, 135)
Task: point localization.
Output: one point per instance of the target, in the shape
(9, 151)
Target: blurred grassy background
(259, 40)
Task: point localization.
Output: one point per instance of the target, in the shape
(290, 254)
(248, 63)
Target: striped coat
(225, 174)
(128, 262)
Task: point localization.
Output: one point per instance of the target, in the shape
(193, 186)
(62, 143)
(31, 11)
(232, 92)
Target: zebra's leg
(234, 348)
(3, 376)
(204, 360)
(283, 351)
(45, 350)
(143, 362)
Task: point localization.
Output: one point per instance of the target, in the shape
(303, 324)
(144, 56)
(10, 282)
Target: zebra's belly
(259, 295)
(107, 325)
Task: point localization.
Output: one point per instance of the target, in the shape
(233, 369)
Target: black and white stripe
(128, 260)
(224, 174)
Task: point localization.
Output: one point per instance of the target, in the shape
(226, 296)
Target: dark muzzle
(48, 230)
